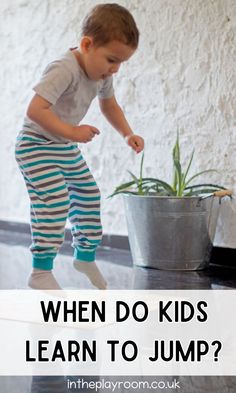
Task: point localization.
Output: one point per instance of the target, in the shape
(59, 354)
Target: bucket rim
(194, 197)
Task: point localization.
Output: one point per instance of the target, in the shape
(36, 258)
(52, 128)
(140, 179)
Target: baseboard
(111, 241)
(225, 257)
(19, 233)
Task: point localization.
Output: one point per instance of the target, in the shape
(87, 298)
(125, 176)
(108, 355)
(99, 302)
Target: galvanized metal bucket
(171, 233)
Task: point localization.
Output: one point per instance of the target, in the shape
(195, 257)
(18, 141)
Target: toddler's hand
(136, 142)
(84, 133)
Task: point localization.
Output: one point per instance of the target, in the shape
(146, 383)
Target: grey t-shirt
(65, 85)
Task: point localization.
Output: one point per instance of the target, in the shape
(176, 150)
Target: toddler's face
(103, 61)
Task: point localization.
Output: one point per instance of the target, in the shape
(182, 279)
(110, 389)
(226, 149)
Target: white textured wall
(182, 76)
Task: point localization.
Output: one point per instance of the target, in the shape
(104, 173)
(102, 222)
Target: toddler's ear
(86, 43)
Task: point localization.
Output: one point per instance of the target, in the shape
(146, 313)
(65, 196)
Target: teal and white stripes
(60, 186)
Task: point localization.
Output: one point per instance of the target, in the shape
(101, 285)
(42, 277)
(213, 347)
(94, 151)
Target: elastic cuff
(87, 256)
(43, 263)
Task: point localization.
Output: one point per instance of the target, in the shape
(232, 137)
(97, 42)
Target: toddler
(58, 180)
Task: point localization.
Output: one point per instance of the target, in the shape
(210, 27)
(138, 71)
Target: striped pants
(60, 186)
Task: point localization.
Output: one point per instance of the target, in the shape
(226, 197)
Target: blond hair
(108, 22)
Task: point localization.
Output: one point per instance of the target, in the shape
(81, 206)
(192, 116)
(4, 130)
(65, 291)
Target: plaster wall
(182, 77)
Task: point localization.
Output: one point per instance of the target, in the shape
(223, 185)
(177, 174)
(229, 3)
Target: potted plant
(171, 226)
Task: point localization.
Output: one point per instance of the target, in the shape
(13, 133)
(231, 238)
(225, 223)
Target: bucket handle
(223, 193)
(220, 194)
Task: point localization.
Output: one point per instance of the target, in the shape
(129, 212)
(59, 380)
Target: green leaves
(180, 186)
(176, 161)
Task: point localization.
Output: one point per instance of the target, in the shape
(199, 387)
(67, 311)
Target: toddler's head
(109, 37)
(111, 22)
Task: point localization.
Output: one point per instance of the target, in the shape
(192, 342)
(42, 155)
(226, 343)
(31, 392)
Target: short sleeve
(55, 80)
(107, 89)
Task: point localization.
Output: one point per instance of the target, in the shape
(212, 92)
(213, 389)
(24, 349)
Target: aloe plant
(180, 187)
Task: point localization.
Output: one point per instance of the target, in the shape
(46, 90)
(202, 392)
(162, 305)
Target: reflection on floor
(116, 266)
(15, 261)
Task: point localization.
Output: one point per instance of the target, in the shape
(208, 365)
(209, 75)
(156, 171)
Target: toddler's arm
(114, 114)
(40, 112)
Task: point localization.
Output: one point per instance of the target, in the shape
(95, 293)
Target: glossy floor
(117, 268)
